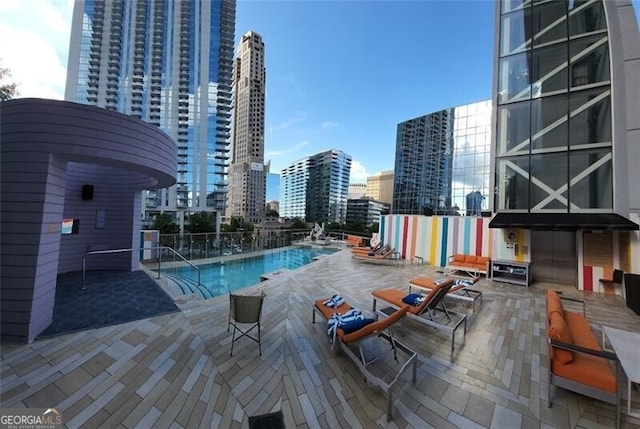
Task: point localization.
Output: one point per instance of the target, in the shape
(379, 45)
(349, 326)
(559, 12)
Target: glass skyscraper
(169, 63)
(441, 158)
(315, 188)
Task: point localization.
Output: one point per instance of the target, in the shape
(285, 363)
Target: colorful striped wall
(434, 238)
(599, 253)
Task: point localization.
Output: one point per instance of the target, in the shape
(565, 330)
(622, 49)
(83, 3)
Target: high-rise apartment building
(441, 158)
(380, 186)
(168, 62)
(247, 183)
(315, 188)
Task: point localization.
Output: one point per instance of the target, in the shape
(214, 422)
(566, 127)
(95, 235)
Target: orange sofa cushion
(374, 327)
(470, 258)
(558, 330)
(589, 370)
(483, 260)
(458, 258)
(554, 303)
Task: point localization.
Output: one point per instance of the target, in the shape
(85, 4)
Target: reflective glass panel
(589, 60)
(509, 5)
(513, 127)
(515, 32)
(590, 120)
(512, 181)
(514, 79)
(586, 17)
(549, 22)
(549, 71)
(591, 185)
(549, 122)
(548, 182)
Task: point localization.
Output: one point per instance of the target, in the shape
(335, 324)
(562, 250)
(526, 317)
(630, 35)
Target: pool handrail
(107, 251)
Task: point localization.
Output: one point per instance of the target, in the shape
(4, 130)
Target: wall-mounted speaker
(87, 192)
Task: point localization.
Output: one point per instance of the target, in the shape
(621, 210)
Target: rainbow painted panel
(434, 238)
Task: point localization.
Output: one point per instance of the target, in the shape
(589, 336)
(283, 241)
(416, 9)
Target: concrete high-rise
(247, 184)
(315, 188)
(380, 186)
(168, 63)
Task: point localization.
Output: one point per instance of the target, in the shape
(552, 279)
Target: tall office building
(168, 62)
(441, 158)
(247, 183)
(380, 186)
(315, 188)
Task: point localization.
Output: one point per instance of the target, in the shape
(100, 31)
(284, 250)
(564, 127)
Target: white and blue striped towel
(464, 282)
(334, 302)
(337, 319)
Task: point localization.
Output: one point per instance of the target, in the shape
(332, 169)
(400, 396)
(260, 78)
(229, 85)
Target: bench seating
(577, 362)
(354, 241)
(471, 264)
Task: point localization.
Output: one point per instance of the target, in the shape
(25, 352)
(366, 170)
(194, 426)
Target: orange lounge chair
(365, 356)
(460, 289)
(384, 254)
(431, 312)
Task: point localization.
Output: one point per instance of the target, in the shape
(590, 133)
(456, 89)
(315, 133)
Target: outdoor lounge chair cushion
(554, 303)
(558, 330)
(367, 329)
(413, 299)
(395, 296)
(354, 325)
(374, 327)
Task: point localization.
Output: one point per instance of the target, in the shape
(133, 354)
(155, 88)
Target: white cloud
(283, 152)
(358, 173)
(330, 124)
(36, 54)
(298, 117)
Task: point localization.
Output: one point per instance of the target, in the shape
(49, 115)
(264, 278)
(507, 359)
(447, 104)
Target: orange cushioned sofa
(577, 362)
(470, 264)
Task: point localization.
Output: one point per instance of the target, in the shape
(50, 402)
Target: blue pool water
(224, 277)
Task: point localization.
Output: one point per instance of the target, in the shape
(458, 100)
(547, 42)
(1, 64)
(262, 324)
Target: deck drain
(267, 421)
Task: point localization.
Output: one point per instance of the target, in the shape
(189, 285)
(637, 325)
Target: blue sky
(344, 74)
(340, 74)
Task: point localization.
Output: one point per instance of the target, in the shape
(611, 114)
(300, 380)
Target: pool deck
(174, 371)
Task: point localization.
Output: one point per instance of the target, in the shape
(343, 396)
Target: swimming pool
(227, 276)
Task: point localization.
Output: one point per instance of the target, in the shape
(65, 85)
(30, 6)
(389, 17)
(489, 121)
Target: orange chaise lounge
(383, 254)
(431, 311)
(386, 364)
(460, 289)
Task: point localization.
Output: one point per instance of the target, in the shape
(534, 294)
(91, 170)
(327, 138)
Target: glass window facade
(442, 163)
(553, 135)
(160, 61)
(315, 188)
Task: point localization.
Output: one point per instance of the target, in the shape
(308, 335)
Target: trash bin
(632, 291)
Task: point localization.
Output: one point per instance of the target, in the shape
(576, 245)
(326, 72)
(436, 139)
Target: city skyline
(357, 79)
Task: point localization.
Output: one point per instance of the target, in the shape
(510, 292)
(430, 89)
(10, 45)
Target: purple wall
(49, 149)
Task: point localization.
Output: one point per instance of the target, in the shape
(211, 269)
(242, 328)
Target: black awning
(563, 221)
